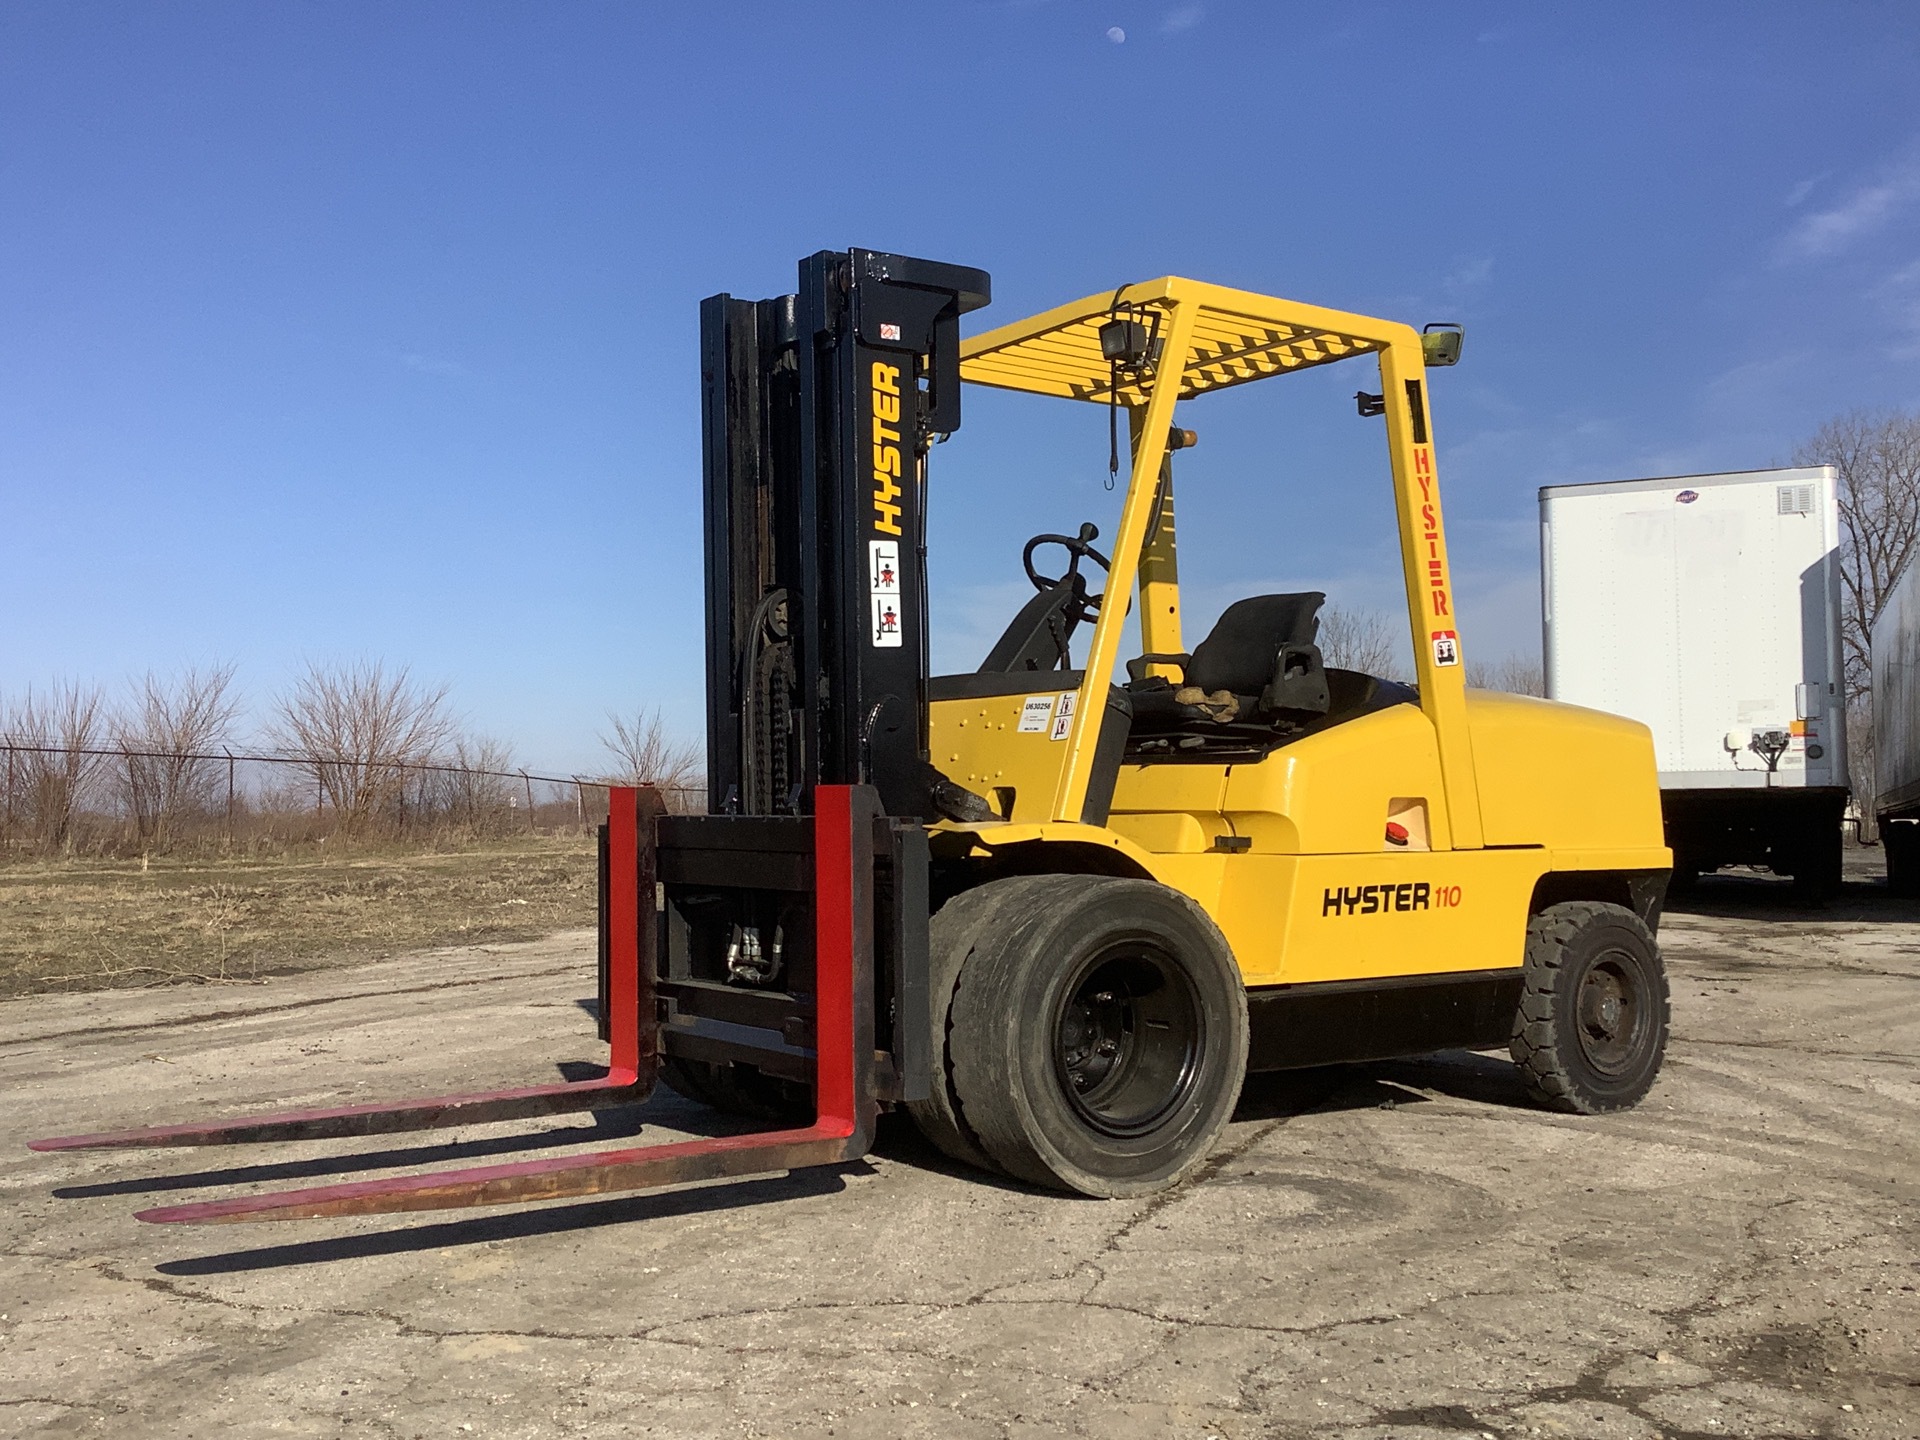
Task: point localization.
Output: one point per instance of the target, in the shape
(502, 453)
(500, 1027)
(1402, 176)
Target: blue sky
(369, 330)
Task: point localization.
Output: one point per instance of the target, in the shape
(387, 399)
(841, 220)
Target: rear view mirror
(1440, 342)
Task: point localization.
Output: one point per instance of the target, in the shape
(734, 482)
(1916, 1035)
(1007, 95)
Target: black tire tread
(1534, 1046)
(983, 1044)
(957, 927)
(735, 1090)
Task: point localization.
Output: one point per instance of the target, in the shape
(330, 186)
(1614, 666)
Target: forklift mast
(818, 409)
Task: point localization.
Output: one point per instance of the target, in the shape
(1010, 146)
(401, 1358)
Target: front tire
(1594, 1015)
(1098, 1038)
(737, 1090)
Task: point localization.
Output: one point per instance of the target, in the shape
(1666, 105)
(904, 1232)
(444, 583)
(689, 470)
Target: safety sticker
(883, 584)
(1035, 714)
(1446, 647)
(883, 567)
(1063, 716)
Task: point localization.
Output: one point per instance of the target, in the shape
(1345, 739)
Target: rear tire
(1097, 1036)
(1593, 1020)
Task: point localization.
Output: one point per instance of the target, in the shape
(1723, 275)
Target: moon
(1117, 35)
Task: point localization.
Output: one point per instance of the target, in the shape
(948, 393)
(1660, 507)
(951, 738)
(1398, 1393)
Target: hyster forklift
(1056, 908)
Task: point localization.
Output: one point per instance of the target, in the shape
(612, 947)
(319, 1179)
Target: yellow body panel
(1562, 776)
(1292, 919)
(980, 744)
(1322, 894)
(1291, 854)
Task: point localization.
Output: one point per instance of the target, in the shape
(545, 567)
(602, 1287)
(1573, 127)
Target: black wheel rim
(1128, 1040)
(1610, 1012)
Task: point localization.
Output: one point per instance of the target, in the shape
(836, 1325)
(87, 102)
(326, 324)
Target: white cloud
(1468, 277)
(1869, 206)
(433, 365)
(1898, 297)
(1804, 189)
(1182, 17)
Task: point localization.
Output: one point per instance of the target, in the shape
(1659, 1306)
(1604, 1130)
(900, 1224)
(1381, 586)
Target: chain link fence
(114, 801)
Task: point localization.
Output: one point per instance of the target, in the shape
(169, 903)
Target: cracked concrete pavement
(1399, 1250)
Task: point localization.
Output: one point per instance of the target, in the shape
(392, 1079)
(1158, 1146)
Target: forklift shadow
(1481, 1078)
(664, 1110)
(1485, 1079)
(522, 1224)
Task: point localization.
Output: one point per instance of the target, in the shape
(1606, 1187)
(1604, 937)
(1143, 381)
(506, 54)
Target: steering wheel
(1080, 547)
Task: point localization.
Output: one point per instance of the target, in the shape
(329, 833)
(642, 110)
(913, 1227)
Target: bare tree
(357, 727)
(1363, 640)
(58, 735)
(1516, 674)
(646, 755)
(476, 792)
(1877, 457)
(164, 737)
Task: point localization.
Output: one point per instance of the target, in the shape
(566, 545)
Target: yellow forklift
(1056, 908)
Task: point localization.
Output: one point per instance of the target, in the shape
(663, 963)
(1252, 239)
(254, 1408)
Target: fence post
(580, 801)
(229, 755)
(529, 784)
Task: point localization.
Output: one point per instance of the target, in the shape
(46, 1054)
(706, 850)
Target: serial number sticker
(1035, 714)
(1063, 716)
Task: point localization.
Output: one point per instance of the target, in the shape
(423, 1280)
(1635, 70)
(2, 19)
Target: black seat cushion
(1241, 651)
(1241, 657)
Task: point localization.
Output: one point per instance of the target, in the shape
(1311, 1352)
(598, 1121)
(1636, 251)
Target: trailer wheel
(1817, 868)
(956, 928)
(1900, 840)
(1592, 1026)
(1097, 1042)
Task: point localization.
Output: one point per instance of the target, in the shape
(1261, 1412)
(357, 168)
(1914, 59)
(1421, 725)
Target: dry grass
(91, 924)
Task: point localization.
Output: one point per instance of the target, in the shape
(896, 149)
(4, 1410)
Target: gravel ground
(1400, 1250)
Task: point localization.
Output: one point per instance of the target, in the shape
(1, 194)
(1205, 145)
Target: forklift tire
(1098, 1040)
(737, 1090)
(1592, 1026)
(957, 926)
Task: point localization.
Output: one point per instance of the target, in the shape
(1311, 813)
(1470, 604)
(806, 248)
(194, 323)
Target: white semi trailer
(1708, 607)
(1896, 731)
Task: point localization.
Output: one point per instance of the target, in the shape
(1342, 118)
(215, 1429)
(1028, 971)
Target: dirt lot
(90, 924)
(1399, 1250)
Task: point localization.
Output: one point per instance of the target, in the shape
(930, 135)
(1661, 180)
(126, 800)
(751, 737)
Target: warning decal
(1446, 647)
(883, 584)
(883, 567)
(1063, 717)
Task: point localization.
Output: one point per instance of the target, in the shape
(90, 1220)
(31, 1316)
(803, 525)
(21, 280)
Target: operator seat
(1258, 668)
